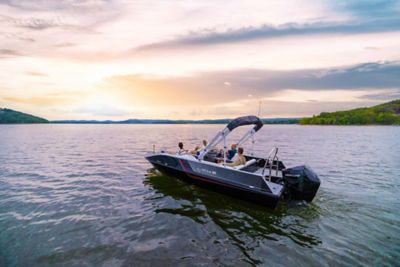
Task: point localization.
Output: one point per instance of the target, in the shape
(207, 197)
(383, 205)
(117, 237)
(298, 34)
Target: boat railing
(269, 162)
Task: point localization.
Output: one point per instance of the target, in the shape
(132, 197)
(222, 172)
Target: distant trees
(12, 116)
(385, 114)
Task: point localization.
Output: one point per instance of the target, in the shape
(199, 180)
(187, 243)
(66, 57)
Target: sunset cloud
(267, 32)
(9, 53)
(211, 87)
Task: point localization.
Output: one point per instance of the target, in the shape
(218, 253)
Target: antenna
(252, 136)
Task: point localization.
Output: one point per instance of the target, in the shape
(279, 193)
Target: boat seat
(248, 163)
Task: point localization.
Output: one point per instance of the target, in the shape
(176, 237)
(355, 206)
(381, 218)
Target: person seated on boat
(195, 150)
(240, 158)
(232, 152)
(181, 149)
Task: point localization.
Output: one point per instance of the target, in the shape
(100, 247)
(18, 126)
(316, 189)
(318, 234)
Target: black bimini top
(246, 120)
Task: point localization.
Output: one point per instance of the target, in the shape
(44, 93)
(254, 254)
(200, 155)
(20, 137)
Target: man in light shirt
(240, 158)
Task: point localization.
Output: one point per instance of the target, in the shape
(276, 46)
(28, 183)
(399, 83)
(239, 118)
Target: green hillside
(12, 116)
(383, 114)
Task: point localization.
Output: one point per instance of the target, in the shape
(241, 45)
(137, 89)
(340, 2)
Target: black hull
(248, 195)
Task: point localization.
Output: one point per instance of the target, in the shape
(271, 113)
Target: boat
(263, 180)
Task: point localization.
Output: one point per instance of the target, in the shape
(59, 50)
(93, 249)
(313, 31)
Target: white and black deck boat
(261, 180)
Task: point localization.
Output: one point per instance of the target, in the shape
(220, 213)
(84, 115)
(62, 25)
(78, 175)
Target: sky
(120, 59)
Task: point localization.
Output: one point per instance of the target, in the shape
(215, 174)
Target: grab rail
(273, 153)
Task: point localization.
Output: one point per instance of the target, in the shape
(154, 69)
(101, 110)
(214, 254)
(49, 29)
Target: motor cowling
(301, 183)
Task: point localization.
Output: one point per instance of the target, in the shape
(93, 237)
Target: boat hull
(182, 171)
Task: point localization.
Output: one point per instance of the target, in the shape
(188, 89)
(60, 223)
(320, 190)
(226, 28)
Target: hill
(383, 114)
(12, 116)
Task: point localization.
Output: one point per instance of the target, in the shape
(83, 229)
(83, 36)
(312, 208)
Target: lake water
(83, 195)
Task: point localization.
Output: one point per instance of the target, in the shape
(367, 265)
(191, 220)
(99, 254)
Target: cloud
(79, 16)
(65, 44)
(385, 96)
(282, 109)
(16, 36)
(5, 53)
(102, 110)
(36, 73)
(49, 99)
(39, 100)
(54, 5)
(209, 88)
(37, 23)
(211, 37)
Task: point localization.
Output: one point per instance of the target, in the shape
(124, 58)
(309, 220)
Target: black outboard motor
(301, 183)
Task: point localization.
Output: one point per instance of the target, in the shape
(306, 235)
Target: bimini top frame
(221, 136)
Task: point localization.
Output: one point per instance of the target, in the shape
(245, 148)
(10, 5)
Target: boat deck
(275, 173)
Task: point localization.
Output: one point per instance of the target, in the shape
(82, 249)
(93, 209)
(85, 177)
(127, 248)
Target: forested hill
(383, 114)
(12, 116)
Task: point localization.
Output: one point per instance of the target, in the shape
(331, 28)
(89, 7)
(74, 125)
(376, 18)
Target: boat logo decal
(204, 171)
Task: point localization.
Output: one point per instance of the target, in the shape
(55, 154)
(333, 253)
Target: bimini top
(241, 121)
(246, 120)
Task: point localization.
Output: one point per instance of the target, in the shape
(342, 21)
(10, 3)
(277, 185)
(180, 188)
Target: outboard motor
(301, 183)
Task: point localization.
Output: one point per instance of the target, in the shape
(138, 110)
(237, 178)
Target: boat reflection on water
(245, 223)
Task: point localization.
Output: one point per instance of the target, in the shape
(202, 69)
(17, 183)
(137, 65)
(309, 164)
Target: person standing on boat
(240, 159)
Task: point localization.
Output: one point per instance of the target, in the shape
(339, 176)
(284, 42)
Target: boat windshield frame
(238, 122)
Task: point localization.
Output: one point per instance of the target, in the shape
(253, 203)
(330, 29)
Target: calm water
(83, 195)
